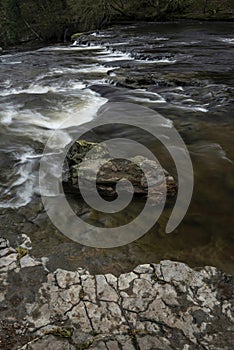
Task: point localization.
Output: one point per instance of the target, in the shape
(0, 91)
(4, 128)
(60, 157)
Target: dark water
(184, 71)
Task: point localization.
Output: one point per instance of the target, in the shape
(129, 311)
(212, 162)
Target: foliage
(10, 20)
(24, 20)
(98, 13)
(212, 6)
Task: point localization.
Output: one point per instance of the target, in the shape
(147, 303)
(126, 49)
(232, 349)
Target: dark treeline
(48, 20)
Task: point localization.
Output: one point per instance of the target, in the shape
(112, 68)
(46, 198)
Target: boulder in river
(112, 171)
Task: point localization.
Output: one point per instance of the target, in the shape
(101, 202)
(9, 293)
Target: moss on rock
(21, 252)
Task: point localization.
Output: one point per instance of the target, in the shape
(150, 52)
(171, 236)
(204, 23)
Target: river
(184, 71)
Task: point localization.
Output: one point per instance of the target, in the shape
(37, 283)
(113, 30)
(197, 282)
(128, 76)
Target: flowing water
(182, 70)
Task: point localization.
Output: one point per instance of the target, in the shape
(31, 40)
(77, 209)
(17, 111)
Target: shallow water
(192, 86)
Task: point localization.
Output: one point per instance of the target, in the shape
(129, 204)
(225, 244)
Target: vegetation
(21, 252)
(25, 20)
(54, 20)
(60, 332)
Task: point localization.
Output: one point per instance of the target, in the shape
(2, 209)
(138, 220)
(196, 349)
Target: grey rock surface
(157, 306)
(85, 158)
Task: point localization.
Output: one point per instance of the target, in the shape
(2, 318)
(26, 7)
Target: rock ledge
(155, 306)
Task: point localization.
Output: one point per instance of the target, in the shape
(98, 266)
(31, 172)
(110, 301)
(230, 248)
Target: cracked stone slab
(155, 306)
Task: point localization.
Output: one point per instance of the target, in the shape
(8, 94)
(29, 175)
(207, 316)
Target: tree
(10, 20)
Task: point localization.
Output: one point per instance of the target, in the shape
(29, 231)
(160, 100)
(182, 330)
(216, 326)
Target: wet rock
(110, 172)
(155, 80)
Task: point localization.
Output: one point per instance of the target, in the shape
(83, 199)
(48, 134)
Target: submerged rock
(110, 172)
(164, 306)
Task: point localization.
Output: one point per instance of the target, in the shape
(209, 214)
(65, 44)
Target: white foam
(227, 40)
(112, 74)
(6, 83)
(22, 189)
(101, 35)
(102, 81)
(161, 38)
(120, 43)
(6, 119)
(158, 61)
(192, 108)
(194, 42)
(150, 94)
(96, 69)
(156, 98)
(31, 90)
(109, 56)
(91, 68)
(7, 115)
(62, 70)
(199, 109)
(168, 123)
(10, 62)
(187, 43)
(36, 89)
(72, 48)
(65, 116)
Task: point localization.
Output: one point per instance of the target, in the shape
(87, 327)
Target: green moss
(60, 332)
(86, 144)
(133, 333)
(85, 345)
(21, 252)
(76, 35)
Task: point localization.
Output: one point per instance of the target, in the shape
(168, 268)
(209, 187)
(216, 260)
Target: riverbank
(217, 17)
(72, 35)
(57, 21)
